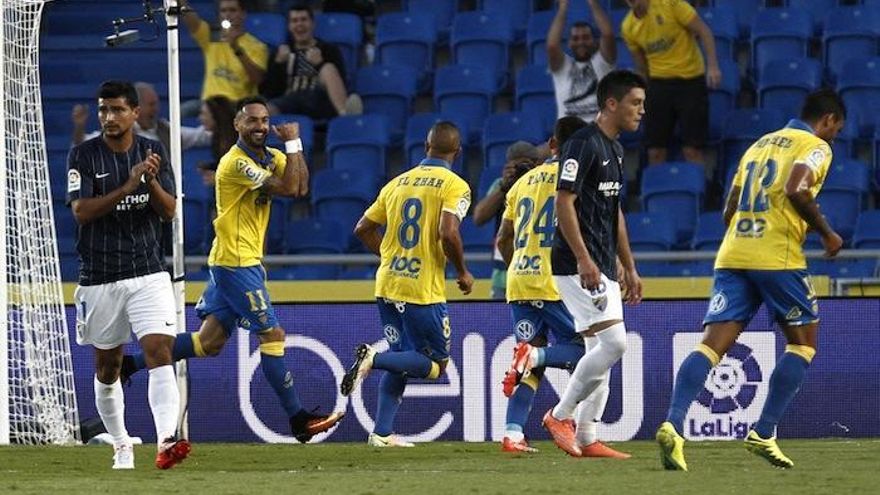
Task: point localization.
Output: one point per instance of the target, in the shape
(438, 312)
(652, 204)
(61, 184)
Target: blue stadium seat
(650, 231)
(417, 128)
(723, 98)
(536, 36)
(517, 11)
(306, 131)
(859, 86)
(342, 195)
(479, 269)
(58, 173)
(844, 193)
(502, 130)
(66, 245)
(867, 231)
(850, 32)
(407, 39)
(741, 128)
(442, 10)
(388, 90)
(535, 95)
(65, 223)
(876, 174)
(695, 268)
(723, 23)
(818, 10)
(361, 272)
(480, 38)
(304, 272)
(358, 143)
(746, 11)
(624, 56)
(675, 189)
(467, 91)
(477, 239)
(270, 28)
(279, 218)
(69, 267)
(488, 175)
(195, 221)
(785, 82)
(314, 236)
(779, 33)
(346, 32)
(859, 268)
(709, 232)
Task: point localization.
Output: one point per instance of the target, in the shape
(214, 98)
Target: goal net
(37, 397)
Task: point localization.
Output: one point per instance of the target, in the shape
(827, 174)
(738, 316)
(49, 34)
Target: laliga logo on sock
(735, 389)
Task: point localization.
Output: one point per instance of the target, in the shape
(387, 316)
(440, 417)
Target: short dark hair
(251, 100)
(119, 89)
(616, 84)
(565, 127)
(822, 102)
(239, 2)
(298, 7)
(581, 24)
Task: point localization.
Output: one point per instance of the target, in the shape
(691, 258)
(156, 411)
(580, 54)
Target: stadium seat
(844, 268)
(306, 131)
(314, 236)
(66, 245)
(480, 38)
(417, 128)
(304, 272)
(859, 86)
(267, 27)
(867, 231)
(58, 173)
(650, 231)
(65, 223)
(746, 10)
(709, 232)
(346, 32)
(195, 221)
(844, 143)
(850, 32)
(467, 91)
(818, 10)
(442, 10)
(779, 33)
(358, 143)
(695, 268)
(342, 195)
(624, 56)
(479, 269)
(69, 267)
(536, 36)
(723, 23)
(723, 98)
(279, 218)
(407, 39)
(517, 12)
(503, 129)
(741, 128)
(477, 238)
(388, 90)
(785, 82)
(363, 272)
(844, 193)
(535, 95)
(488, 175)
(675, 189)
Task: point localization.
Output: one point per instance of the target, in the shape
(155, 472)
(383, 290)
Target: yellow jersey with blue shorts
(236, 291)
(761, 257)
(536, 306)
(411, 282)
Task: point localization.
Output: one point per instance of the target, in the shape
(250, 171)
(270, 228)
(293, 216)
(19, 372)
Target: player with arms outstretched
(236, 296)
(769, 209)
(421, 210)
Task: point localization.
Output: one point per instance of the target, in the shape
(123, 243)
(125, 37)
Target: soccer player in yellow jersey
(770, 207)
(525, 240)
(421, 211)
(236, 296)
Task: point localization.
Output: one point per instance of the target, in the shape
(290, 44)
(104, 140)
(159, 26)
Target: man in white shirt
(576, 76)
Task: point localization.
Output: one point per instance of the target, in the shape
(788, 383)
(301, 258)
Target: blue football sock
(784, 384)
(412, 363)
(183, 349)
(520, 403)
(281, 379)
(391, 387)
(565, 356)
(688, 383)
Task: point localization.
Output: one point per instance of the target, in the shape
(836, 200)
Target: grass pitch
(821, 466)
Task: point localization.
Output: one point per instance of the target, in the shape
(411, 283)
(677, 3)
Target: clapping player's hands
(465, 282)
(144, 171)
(287, 131)
(589, 273)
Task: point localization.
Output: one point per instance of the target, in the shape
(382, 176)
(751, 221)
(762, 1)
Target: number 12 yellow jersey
(530, 206)
(766, 233)
(413, 263)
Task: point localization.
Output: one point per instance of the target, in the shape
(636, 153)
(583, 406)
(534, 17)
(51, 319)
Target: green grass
(821, 466)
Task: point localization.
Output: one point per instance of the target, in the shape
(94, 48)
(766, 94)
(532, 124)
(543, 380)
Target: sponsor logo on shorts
(392, 335)
(525, 330)
(718, 303)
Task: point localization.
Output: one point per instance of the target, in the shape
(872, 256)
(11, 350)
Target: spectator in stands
(148, 123)
(217, 116)
(307, 75)
(576, 78)
(235, 61)
(521, 157)
(660, 35)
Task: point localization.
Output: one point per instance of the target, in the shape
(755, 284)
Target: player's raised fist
(286, 131)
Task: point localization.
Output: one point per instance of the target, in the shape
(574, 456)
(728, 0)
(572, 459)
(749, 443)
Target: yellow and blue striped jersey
(530, 206)
(242, 207)
(413, 263)
(766, 233)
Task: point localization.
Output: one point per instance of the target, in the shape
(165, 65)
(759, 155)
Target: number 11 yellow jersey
(413, 263)
(766, 233)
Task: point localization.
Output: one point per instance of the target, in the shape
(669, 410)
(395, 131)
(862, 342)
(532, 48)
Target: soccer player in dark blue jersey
(121, 188)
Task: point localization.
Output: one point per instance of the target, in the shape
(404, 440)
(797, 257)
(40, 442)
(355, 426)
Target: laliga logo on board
(735, 389)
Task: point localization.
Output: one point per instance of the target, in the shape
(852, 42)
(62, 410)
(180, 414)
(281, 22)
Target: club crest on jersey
(74, 181)
(392, 335)
(569, 170)
(718, 303)
(525, 330)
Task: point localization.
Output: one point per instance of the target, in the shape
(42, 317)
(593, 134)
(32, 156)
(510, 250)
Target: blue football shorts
(788, 294)
(534, 319)
(237, 296)
(416, 327)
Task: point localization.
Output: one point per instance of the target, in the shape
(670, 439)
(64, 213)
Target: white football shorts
(586, 308)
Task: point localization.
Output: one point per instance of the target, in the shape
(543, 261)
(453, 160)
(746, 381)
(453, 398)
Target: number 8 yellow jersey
(766, 233)
(413, 265)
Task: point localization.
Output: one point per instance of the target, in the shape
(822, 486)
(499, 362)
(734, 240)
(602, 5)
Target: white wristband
(293, 146)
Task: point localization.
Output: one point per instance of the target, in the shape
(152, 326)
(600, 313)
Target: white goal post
(37, 396)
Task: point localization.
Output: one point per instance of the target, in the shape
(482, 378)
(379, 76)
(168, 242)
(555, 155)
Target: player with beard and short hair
(246, 179)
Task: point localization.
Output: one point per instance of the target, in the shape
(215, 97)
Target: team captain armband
(254, 174)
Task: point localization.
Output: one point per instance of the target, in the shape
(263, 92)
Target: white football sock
(516, 436)
(110, 402)
(164, 401)
(592, 369)
(590, 410)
